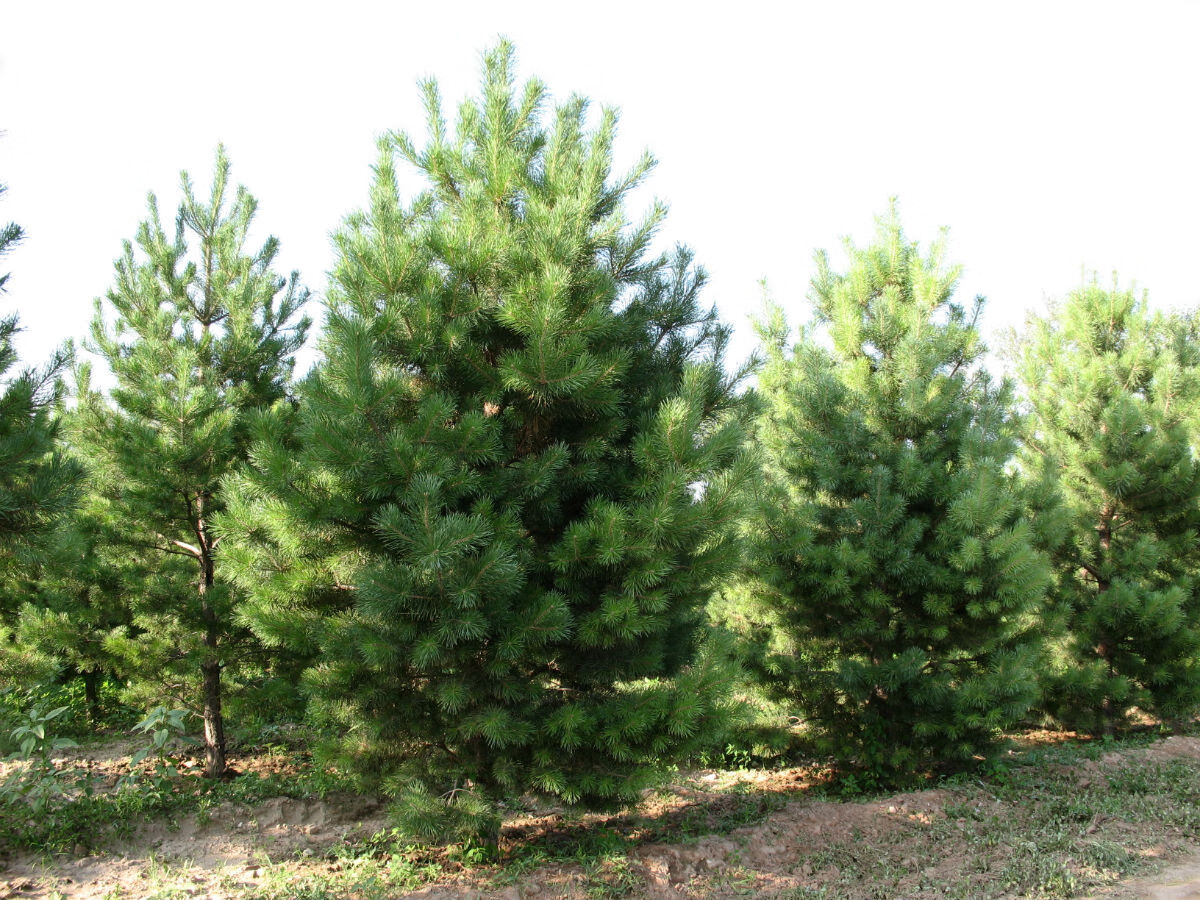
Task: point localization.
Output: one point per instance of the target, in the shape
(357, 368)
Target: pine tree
(900, 574)
(202, 336)
(75, 616)
(1112, 389)
(508, 489)
(37, 483)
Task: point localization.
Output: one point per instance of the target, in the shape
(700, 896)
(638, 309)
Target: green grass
(1034, 830)
(1041, 823)
(1031, 826)
(88, 817)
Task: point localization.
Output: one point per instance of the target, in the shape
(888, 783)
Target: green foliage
(762, 728)
(165, 728)
(1112, 391)
(901, 588)
(38, 781)
(79, 721)
(199, 334)
(38, 485)
(76, 615)
(509, 486)
(22, 669)
(37, 481)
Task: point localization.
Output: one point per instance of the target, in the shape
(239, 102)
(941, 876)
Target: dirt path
(227, 848)
(685, 843)
(1180, 881)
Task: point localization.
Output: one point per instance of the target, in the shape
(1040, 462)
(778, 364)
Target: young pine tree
(202, 336)
(507, 493)
(37, 482)
(1112, 389)
(75, 615)
(899, 568)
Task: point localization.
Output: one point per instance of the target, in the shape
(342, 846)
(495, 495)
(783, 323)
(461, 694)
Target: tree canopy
(199, 334)
(506, 495)
(1112, 390)
(890, 532)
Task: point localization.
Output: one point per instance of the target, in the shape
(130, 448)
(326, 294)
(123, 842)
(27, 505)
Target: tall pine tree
(1112, 390)
(202, 335)
(508, 491)
(898, 566)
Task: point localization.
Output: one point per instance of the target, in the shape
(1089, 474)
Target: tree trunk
(1110, 717)
(1104, 529)
(91, 694)
(210, 669)
(214, 722)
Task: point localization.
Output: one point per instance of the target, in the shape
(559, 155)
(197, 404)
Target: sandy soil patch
(679, 847)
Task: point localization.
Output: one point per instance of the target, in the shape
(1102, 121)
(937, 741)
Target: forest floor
(1062, 818)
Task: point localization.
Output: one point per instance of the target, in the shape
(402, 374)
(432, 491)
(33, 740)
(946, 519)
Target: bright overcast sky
(1049, 136)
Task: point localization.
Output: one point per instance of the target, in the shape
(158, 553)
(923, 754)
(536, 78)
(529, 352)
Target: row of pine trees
(521, 530)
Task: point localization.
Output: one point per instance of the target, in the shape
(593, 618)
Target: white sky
(1049, 136)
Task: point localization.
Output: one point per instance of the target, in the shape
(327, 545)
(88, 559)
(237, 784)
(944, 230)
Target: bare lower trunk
(1104, 529)
(214, 722)
(210, 669)
(91, 694)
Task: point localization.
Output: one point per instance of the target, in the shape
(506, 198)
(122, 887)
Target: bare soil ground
(711, 835)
